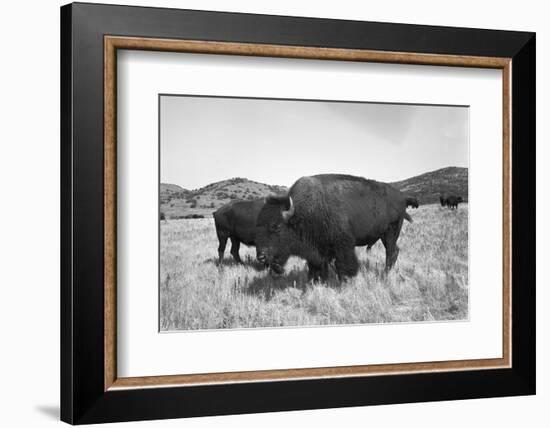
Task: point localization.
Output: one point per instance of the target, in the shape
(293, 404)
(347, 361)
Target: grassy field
(428, 283)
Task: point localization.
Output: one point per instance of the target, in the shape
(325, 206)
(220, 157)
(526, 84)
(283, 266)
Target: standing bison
(236, 221)
(324, 217)
(450, 201)
(453, 201)
(412, 202)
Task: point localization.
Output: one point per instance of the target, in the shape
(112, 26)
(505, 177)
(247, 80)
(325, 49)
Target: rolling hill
(177, 202)
(172, 191)
(428, 186)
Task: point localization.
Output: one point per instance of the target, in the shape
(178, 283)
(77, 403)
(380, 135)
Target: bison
(324, 217)
(412, 202)
(443, 200)
(236, 221)
(453, 201)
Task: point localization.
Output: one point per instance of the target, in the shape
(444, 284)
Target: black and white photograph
(289, 212)
(275, 214)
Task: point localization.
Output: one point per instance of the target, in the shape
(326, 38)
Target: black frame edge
(306, 31)
(66, 306)
(524, 214)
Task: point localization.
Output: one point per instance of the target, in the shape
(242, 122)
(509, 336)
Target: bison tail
(408, 218)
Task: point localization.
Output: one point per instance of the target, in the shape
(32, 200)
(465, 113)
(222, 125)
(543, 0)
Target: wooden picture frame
(91, 391)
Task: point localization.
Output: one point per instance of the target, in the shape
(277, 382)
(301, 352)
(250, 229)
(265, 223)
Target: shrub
(190, 216)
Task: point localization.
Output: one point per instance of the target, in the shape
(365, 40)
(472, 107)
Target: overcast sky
(203, 140)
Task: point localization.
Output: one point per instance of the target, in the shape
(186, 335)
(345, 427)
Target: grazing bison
(412, 202)
(324, 217)
(453, 201)
(443, 200)
(237, 221)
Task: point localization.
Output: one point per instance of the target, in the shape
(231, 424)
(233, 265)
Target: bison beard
(323, 218)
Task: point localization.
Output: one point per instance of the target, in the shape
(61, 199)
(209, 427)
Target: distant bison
(443, 200)
(324, 217)
(236, 221)
(453, 201)
(412, 202)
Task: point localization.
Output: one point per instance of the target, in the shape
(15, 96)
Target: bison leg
(369, 246)
(390, 243)
(317, 272)
(221, 248)
(235, 245)
(346, 262)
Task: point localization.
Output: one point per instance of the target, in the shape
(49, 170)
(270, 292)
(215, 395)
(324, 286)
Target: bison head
(274, 234)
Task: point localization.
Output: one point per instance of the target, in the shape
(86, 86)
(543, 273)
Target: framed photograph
(265, 213)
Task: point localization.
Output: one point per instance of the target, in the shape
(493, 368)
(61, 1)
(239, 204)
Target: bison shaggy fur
(324, 217)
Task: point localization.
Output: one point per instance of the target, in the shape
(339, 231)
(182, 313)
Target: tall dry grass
(428, 283)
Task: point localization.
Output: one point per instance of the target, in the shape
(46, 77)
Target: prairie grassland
(428, 283)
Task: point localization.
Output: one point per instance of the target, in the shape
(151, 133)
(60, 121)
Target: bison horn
(290, 212)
